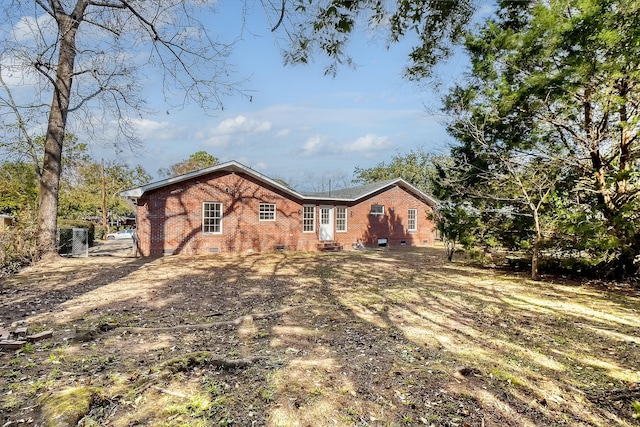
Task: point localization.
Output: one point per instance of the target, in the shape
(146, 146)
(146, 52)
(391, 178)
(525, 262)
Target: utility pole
(105, 223)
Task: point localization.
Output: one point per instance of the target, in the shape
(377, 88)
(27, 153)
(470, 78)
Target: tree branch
(282, 10)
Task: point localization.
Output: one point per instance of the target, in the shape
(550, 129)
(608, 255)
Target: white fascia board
(231, 166)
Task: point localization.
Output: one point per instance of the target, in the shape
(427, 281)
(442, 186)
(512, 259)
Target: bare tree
(89, 56)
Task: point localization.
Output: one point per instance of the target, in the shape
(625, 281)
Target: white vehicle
(122, 234)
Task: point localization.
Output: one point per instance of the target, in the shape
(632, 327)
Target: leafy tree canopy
(196, 161)
(18, 187)
(327, 26)
(555, 89)
(81, 197)
(417, 167)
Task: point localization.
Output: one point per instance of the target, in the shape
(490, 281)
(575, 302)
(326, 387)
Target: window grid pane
(212, 217)
(267, 212)
(308, 218)
(324, 216)
(377, 210)
(412, 220)
(341, 218)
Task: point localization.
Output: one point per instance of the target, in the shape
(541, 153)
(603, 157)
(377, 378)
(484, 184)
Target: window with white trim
(341, 219)
(267, 212)
(212, 217)
(308, 219)
(377, 210)
(412, 220)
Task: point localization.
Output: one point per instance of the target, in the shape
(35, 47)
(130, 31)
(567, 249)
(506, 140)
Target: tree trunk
(535, 259)
(535, 256)
(52, 166)
(450, 247)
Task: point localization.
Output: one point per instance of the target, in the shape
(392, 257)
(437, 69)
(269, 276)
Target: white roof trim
(231, 166)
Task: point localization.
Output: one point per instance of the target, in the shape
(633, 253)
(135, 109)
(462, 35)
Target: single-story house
(233, 208)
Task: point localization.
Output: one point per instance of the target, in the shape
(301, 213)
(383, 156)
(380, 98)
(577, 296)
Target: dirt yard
(371, 338)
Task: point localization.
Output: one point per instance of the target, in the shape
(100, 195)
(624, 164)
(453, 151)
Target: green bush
(18, 244)
(99, 232)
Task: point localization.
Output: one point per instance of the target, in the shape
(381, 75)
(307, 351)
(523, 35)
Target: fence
(73, 242)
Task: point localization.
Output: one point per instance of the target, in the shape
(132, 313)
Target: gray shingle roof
(351, 193)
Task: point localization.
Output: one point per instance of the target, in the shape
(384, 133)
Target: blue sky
(301, 126)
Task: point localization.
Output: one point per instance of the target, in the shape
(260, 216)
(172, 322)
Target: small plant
(506, 376)
(353, 415)
(55, 374)
(635, 405)
(316, 392)
(57, 356)
(28, 348)
(36, 386)
(198, 405)
(211, 386)
(88, 422)
(343, 390)
(267, 395)
(11, 402)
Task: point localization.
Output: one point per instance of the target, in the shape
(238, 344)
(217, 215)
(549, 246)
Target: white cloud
(315, 145)
(241, 124)
(232, 130)
(283, 133)
(366, 145)
(154, 130)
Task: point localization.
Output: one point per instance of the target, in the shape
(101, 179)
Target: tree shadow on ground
(360, 338)
(44, 288)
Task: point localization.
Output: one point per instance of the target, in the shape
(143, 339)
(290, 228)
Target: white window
(412, 220)
(212, 217)
(341, 219)
(308, 219)
(324, 216)
(267, 212)
(377, 210)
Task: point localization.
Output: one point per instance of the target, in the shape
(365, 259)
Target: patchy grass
(370, 338)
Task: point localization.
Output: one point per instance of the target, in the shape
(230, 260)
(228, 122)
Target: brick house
(232, 208)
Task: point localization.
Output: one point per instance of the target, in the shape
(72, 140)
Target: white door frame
(327, 223)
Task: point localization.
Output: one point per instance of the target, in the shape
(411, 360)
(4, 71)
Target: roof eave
(232, 166)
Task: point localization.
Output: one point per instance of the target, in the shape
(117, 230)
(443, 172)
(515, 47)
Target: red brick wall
(367, 229)
(169, 220)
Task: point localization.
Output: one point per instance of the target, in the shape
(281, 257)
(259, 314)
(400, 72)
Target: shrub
(18, 244)
(99, 232)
